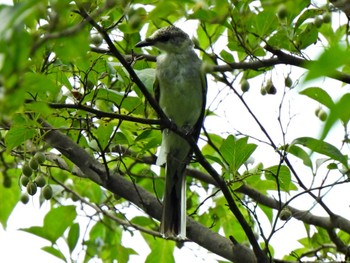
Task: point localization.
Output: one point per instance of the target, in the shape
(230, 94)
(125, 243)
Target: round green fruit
(34, 164)
(285, 214)
(282, 11)
(26, 170)
(40, 180)
(40, 157)
(47, 192)
(318, 21)
(31, 188)
(24, 180)
(244, 85)
(288, 82)
(270, 88)
(327, 18)
(24, 198)
(96, 40)
(322, 115)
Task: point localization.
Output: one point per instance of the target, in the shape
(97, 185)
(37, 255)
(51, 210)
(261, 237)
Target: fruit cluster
(33, 182)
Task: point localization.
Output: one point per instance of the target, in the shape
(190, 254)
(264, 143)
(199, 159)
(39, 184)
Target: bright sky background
(18, 246)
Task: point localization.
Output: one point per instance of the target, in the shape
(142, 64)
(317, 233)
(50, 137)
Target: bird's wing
(198, 126)
(156, 89)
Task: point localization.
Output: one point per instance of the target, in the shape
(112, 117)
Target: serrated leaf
(321, 147)
(22, 129)
(56, 221)
(39, 107)
(320, 95)
(236, 152)
(265, 22)
(161, 251)
(282, 174)
(39, 84)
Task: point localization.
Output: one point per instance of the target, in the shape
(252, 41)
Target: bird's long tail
(173, 223)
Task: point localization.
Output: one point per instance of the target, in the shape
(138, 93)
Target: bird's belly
(181, 101)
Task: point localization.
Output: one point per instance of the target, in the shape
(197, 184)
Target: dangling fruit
(40, 157)
(40, 180)
(31, 188)
(33, 163)
(24, 198)
(24, 180)
(27, 170)
(47, 192)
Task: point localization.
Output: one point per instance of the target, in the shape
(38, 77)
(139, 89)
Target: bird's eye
(163, 38)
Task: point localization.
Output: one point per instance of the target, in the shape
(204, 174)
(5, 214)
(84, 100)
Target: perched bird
(180, 89)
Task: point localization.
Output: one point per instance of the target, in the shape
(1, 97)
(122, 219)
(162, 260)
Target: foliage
(78, 116)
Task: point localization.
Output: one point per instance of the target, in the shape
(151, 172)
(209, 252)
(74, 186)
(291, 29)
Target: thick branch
(279, 59)
(117, 184)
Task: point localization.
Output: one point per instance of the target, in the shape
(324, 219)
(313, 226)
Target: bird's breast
(180, 86)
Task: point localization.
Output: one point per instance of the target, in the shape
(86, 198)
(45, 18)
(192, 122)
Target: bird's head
(170, 39)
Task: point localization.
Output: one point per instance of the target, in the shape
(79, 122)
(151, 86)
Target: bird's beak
(145, 43)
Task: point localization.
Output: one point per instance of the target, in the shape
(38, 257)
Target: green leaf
(120, 138)
(8, 199)
(319, 95)
(308, 13)
(147, 76)
(56, 221)
(306, 36)
(22, 129)
(227, 56)
(267, 211)
(280, 173)
(161, 251)
(301, 154)
(236, 152)
(89, 190)
(265, 22)
(55, 252)
(40, 85)
(73, 48)
(321, 147)
(73, 236)
(340, 111)
(103, 133)
(326, 65)
(39, 107)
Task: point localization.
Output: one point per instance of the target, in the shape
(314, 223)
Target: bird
(180, 88)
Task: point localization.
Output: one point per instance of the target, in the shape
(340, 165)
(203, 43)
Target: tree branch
(280, 58)
(117, 184)
(103, 114)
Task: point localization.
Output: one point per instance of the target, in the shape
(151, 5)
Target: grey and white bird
(180, 89)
